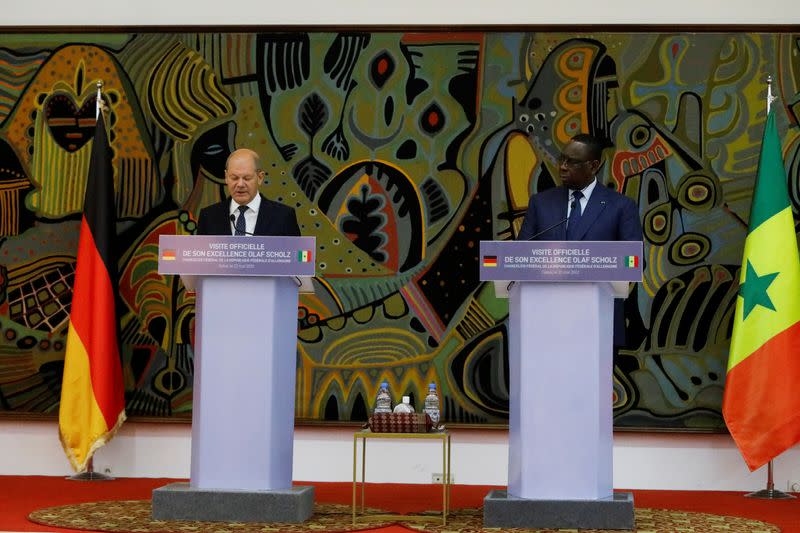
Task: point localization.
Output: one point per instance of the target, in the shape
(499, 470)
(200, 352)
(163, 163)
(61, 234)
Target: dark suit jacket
(609, 216)
(274, 219)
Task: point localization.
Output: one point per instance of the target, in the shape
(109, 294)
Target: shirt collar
(254, 204)
(587, 191)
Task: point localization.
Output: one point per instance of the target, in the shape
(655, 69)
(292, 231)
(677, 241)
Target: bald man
(246, 211)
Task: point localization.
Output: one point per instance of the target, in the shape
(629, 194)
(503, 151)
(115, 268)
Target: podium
(244, 377)
(561, 311)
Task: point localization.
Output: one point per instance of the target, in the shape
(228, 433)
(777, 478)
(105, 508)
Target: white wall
(479, 457)
(398, 13)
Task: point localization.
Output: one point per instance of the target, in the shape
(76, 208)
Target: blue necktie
(574, 216)
(240, 226)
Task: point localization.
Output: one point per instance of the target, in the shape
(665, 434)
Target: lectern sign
(212, 255)
(561, 260)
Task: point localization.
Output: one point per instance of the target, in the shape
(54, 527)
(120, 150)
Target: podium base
(178, 501)
(502, 510)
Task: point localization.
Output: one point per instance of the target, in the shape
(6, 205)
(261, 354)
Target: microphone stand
(574, 205)
(232, 220)
(545, 230)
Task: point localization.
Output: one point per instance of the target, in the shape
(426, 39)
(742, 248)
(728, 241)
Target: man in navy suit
(602, 213)
(582, 209)
(246, 211)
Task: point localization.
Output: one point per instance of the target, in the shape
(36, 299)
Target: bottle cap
(432, 385)
(407, 399)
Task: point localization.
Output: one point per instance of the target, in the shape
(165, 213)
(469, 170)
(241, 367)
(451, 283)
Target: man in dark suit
(246, 211)
(582, 209)
(601, 214)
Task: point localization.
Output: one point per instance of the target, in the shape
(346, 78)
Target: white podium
(561, 312)
(245, 360)
(560, 367)
(244, 382)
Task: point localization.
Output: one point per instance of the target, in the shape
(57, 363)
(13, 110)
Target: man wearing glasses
(581, 209)
(246, 211)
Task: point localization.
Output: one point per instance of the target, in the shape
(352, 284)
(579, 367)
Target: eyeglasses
(569, 161)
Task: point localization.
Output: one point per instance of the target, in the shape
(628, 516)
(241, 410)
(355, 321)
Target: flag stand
(90, 413)
(771, 224)
(769, 493)
(90, 475)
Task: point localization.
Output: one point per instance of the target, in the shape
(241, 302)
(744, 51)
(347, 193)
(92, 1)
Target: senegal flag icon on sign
(304, 256)
(632, 261)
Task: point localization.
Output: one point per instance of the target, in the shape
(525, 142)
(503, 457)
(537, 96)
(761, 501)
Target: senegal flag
(761, 404)
(92, 394)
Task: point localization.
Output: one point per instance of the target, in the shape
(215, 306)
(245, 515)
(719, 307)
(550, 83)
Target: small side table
(443, 436)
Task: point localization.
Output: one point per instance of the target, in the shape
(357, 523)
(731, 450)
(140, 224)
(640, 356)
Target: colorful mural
(399, 152)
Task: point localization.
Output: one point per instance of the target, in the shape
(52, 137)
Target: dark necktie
(240, 225)
(574, 216)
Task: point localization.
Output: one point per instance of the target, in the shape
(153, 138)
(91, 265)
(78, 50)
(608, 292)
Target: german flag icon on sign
(490, 260)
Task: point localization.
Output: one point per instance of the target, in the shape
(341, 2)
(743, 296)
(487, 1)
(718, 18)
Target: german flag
(92, 393)
(761, 405)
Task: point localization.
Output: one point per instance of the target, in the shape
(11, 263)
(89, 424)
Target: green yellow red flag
(92, 393)
(761, 406)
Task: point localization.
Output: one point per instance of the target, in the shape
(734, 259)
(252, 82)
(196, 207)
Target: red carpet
(19, 495)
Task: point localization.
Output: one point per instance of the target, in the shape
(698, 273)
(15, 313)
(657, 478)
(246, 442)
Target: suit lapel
(594, 207)
(560, 213)
(226, 228)
(262, 222)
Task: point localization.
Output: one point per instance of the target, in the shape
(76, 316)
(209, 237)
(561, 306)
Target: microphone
(232, 219)
(574, 205)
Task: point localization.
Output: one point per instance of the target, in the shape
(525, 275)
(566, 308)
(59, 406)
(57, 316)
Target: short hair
(251, 153)
(594, 144)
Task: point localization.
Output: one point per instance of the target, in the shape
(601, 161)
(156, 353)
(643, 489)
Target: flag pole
(89, 474)
(769, 493)
(98, 102)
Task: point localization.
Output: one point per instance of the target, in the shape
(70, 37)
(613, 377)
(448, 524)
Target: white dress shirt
(250, 216)
(587, 192)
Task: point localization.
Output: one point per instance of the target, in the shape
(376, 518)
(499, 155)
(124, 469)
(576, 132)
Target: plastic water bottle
(404, 407)
(432, 405)
(383, 402)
